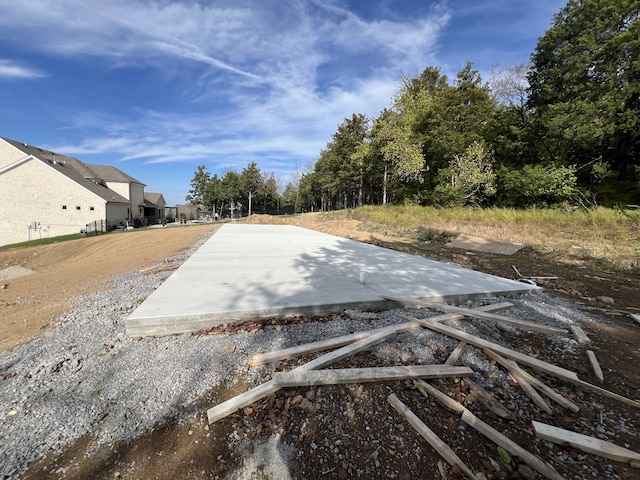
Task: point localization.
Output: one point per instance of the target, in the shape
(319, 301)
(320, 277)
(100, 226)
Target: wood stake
(365, 375)
(491, 433)
(293, 352)
(595, 365)
(484, 316)
(453, 358)
(535, 382)
(488, 400)
(585, 443)
(253, 395)
(581, 336)
(436, 442)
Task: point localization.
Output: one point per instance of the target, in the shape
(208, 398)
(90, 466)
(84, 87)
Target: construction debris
(436, 442)
(314, 373)
(597, 370)
(501, 440)
(586, 443)
(483, 315)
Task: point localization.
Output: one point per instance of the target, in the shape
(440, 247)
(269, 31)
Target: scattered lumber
(540, 365)
(507, 352)
(585, 443)
(529, 277)
(492, 317)
(595, 365)
(453, 358)
(436, 442)
(523, 382)
(488, 400)
(581, 336)
(366, 375)
(491, 433)
(535, 382)
(253, 395)
(293, 352)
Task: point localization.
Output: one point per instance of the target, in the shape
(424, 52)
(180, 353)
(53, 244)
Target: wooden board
(595, 365)
(537, 383)
(491, 433)
(293, 352)
(492, 317)
(453, 358)
(523, 382)
(366, 375)
(436, 442)
(488, 400)
(581, 336)
(635, 317)
(585, 443)
(247, 398)
(507, 352)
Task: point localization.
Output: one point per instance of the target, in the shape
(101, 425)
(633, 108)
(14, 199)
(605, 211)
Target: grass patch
(43, 241)
(612, 235)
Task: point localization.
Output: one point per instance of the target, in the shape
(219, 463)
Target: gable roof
(153, 199)
(112, 174)
(79, 172)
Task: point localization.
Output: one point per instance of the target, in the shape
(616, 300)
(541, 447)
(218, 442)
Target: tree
(230, 190)
(585, 84)
(469, 179)
(250, 182)
(199, 184)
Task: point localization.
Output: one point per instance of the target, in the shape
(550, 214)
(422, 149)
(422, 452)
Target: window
(64, 207)
(92, 208)
(78, 207)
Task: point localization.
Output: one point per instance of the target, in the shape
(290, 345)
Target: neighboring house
(45, 194)
(154, 207)
(185, 211)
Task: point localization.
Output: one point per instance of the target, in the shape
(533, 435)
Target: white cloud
(9, 69)
(279, 75)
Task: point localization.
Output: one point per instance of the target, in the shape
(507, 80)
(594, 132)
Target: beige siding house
(45, 194)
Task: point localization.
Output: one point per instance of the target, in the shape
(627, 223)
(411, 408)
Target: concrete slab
(248, 272)
(468, 242)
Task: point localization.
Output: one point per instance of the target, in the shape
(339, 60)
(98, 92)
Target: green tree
(585, 84)
(230, 191)
(469, 179)
(199, 184)
(250, 182)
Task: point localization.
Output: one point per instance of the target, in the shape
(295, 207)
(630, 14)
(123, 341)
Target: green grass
(43, 241)
(601, 233)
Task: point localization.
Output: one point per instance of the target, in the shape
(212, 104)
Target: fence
(95, 228)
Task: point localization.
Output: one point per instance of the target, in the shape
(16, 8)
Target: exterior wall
(33, 192)
(9, 154)
(137, 200)
(121, 188)
(116, 213)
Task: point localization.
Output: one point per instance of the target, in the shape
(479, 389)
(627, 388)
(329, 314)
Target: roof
(112, 174)
(81, 173)
(153, 199)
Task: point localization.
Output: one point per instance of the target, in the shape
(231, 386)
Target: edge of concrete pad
(155, 326)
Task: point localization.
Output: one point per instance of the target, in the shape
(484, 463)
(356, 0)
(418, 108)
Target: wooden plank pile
(316, 373)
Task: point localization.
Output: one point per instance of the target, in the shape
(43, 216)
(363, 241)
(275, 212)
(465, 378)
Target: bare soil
(308, 416)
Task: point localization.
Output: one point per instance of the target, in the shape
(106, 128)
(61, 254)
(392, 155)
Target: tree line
(562, 129)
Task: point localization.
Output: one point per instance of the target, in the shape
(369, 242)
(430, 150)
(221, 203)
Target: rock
(606, 300)
(526, 473)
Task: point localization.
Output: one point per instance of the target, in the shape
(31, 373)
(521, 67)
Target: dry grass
(603, 234)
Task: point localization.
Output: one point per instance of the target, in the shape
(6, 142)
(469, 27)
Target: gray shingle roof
(85, 175)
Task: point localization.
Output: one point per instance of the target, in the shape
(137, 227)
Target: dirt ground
(68, 269)
(65, 270)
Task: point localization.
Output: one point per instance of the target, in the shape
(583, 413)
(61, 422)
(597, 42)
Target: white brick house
(45, 194)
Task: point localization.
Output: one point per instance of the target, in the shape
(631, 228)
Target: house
(154, 207)
(46, 194)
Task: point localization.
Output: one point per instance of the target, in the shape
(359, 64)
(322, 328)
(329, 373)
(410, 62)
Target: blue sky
(157, 88)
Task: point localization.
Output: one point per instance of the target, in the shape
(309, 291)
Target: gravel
(85, 375)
